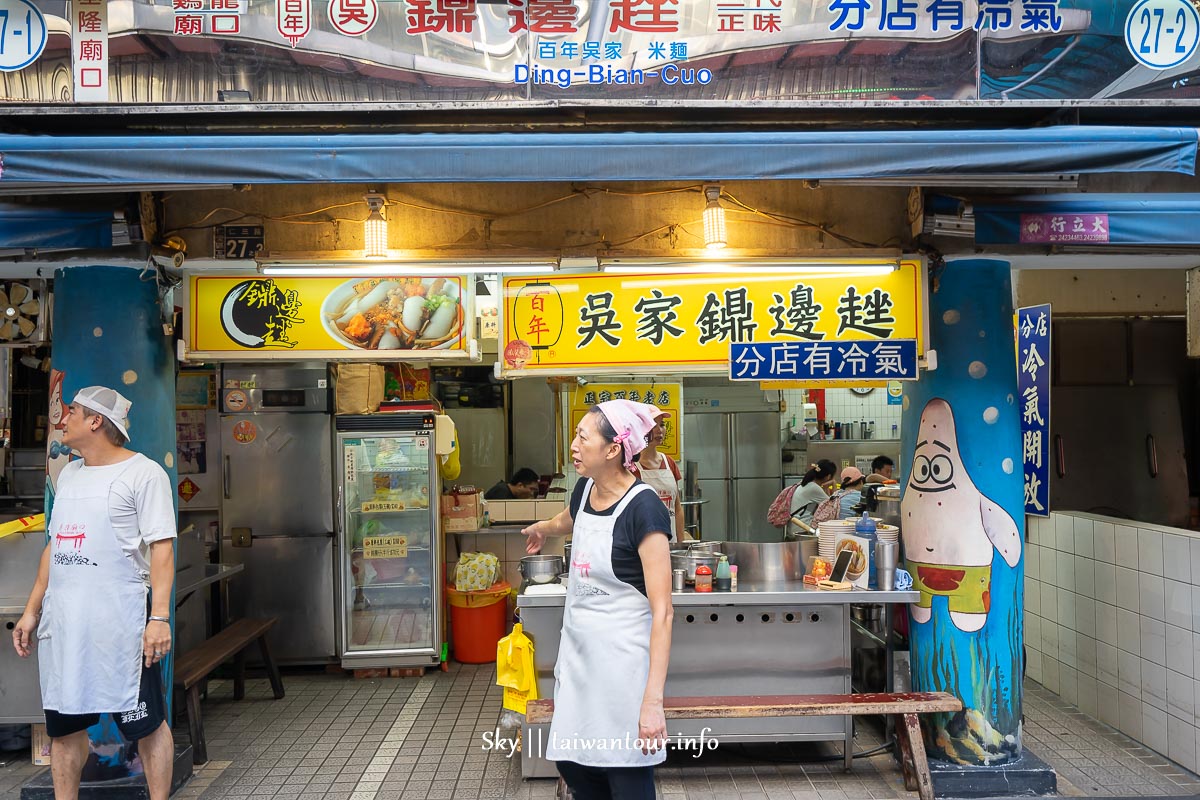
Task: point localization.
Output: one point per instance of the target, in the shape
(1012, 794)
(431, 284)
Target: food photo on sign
(395, 314)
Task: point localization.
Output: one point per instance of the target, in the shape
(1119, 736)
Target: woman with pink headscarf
(609, 729)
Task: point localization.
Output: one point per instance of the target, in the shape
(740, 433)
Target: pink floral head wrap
(632, 421)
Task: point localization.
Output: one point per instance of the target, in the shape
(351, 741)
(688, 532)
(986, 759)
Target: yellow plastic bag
(515, 670)
(476, 571)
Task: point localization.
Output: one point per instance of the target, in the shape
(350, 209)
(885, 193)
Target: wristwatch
(160, 619)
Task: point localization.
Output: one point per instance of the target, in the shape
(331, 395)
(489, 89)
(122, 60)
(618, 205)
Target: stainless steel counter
(766, 638)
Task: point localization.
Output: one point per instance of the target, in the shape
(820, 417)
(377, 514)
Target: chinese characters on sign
(237, 241)
(89, 50)
(824, 361)
(665, 396)
(353, 17)
(293, 19)
(385, 547)
(588, 323)
(1033, 387)
(216, 17)
(23, 34)
(1063, 228)
(894, 16)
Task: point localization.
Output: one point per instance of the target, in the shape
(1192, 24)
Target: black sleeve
(644, 515)
(577, 497)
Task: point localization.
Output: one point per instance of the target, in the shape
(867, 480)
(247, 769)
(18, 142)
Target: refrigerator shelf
(389, 470)
(394, 585)
(411, 549)
(395, 511)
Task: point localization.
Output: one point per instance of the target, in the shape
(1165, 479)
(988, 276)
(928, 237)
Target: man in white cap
(99, 640)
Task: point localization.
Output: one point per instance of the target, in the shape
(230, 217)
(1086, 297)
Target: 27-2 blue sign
(22, 34)
(1162, 34)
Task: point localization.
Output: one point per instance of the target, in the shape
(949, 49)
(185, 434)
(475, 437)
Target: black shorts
(150, 713)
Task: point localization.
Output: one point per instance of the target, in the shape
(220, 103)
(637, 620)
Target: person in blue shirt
(852, 484)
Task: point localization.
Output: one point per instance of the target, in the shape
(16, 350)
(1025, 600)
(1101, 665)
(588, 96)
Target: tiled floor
(404, 739)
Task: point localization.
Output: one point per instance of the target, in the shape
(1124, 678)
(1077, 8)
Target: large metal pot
(541, 569)
(688, 560)
(771, 561)
(884, 503)
(705, 547)
(567, 553)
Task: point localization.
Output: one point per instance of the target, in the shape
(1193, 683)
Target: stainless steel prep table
(766, 638)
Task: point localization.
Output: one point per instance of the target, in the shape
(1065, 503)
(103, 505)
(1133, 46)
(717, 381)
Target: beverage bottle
(704, 580)
(864, 528)
(723, 582)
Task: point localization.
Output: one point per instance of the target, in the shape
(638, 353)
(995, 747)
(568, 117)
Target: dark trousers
(608, 783)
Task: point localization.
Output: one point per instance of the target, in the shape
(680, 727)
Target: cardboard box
(524, 510)
(41, 746)
(463, 512)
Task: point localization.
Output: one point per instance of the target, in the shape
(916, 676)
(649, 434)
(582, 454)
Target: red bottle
(704, 578)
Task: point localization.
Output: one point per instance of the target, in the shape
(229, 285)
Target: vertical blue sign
(1033, 384)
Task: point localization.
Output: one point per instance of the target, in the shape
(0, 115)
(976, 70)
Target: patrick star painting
(950, 527)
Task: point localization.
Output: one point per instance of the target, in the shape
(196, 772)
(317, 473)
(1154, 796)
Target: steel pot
(567, 554)
(772, 561)
(688, 560)
(705, 547)
(541, 569)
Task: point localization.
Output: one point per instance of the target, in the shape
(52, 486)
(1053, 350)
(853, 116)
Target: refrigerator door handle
(225, 479)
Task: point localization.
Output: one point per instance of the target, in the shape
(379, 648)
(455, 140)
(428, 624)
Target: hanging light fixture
(375, 233)
(714, 218)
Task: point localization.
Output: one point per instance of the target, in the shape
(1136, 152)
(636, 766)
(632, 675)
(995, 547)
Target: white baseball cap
(109, 403)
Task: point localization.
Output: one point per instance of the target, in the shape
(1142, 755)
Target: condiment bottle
(704, 581)
(864, 526)
(723, 582)
(733, 577)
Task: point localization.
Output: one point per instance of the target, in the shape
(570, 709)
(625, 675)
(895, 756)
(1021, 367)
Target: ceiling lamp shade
(714, 218)
(375, 233)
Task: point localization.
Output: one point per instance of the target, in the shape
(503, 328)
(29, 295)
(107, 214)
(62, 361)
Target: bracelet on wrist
(159, 619)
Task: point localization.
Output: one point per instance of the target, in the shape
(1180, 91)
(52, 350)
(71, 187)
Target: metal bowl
(541, 569)
(705, 547)
(688, 560)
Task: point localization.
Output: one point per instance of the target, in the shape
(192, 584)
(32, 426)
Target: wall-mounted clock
(862, 391)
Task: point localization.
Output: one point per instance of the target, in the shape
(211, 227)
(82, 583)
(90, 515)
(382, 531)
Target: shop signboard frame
(584, 323)
(238, 315)
(1033, 395)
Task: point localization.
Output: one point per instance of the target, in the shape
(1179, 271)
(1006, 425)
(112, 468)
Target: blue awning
(630, 156)
(1133, 219)
(31, 227)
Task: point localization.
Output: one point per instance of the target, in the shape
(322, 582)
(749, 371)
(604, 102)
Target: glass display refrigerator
(389, 571)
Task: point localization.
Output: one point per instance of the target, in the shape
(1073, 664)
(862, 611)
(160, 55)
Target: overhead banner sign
(603, 323)
(377, 319)
(665, 396)
(1033, 384)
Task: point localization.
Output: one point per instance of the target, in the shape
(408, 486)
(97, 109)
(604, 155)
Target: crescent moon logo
(229, 324)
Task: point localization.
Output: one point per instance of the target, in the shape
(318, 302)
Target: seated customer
(523, 486)
(881, 470)
(851, 495)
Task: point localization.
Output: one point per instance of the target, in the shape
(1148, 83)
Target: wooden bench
(195, 665)
(904, 706)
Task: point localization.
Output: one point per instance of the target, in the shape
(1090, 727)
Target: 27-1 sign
(237, 241)
(22, 34)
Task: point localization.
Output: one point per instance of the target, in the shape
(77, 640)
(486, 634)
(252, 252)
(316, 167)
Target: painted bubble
(97, 331)
(977, 369)
(904, 403)
(1007, 466)
(129, 377)
(169, 460)
(951, 317)
(1010, 399)
(991, 414)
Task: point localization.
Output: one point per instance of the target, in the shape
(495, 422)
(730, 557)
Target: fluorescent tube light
(775, 266)
(337, 269)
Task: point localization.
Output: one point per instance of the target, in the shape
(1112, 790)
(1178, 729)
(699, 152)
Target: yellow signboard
(385, 547)
(382, 506)
(666, 396)
(253, 317)
(597, 323)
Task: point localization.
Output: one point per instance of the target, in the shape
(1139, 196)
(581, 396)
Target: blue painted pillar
(107, 331)
(962, 516)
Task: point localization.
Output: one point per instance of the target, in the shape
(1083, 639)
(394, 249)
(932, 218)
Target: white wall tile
(1049, 601)
(1177, 558)
(1085, 647)
(1129, 673)
(1085, 616)
(1196, 608)
(1050, 671)
(1128, 593)
(1129, 631)
(1178, 603)
(1107, 698)
(1033, 596)
(1068, 653)
(1153, 597)
(1065, 574)
(1064, 533)
(1066, 608)
(1033, 633)
(1181, 696)
(1050, 639)
(1106, 623)
(1033, 531)
(1150, 551)
(1179, 650)
(1048, 569)
(1195, 547)
(1104, 537)
(1181, 743)
(1127, 546)
(1130, 707)
(1195, 653)
(1088, 695)
(1154, 685)
(1154, 729)
(1107, 669)
(1084, 541)
(1106, 582)
(1154, 641)
(1068, 682)
(1033, 560)
(1085, 576)
(1033, 664)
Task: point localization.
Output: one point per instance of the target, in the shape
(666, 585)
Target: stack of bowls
(888, 533)
(830, 532)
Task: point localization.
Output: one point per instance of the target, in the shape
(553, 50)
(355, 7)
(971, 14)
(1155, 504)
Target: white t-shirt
(140, 504)
(811, 495)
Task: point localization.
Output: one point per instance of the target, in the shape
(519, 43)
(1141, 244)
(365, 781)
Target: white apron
(662, 481)
(94, 612)
(603, 655)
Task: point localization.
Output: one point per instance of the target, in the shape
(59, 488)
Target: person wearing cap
(100, 638)
(851, 494)
(661, 472)
(616, 635)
